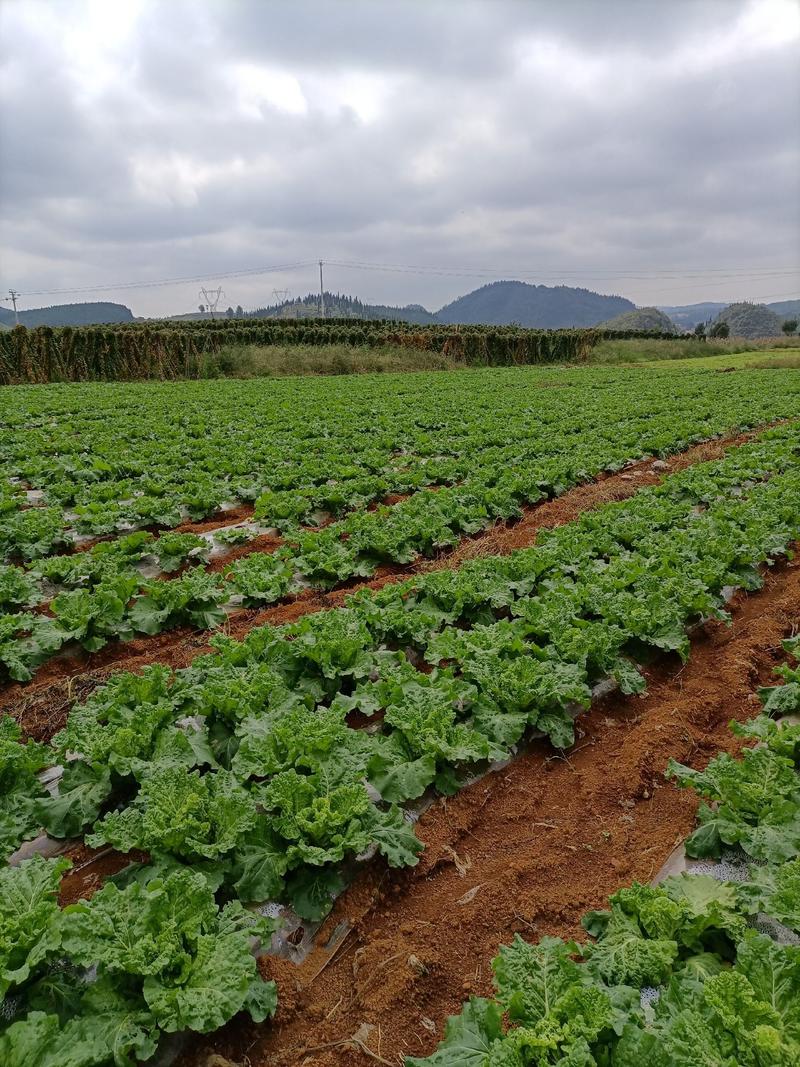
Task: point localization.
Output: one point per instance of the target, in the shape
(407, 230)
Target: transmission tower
(211, 297)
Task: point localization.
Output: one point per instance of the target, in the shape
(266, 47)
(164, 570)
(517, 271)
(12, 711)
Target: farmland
(346, 609)
(336, 487)
(197, 349)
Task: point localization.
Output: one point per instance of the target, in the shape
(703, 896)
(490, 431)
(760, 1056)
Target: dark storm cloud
(144, 140)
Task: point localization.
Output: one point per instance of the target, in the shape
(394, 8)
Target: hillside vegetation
(339, 306)
(540, 306)
(751, 320)
(96, 313)
(503, 303)
(787, 309)
(641, 319)
(687, 316)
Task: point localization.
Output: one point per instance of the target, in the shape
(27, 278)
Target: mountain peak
(539, 306)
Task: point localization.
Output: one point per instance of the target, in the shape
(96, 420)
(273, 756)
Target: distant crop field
(189, 349)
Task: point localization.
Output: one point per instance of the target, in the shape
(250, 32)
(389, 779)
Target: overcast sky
(647, 149)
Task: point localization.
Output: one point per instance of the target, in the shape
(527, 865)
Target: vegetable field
(163, 826)
(106, 487)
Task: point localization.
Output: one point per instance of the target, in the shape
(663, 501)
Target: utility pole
(321, 293)
(14, 294)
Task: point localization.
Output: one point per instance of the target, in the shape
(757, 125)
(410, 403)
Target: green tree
(700, 329)
(719, 329)
(789, 326)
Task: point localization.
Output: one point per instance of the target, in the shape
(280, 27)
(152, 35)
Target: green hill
(787, 309)
(751, 320)
(641, 319)
(538, 306)
(687, 316)
(86, 314)
(339, 306)
(497, 304)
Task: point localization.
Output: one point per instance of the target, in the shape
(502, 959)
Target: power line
(168, 281)
(722, 275)
(624, 273)
(618, 274)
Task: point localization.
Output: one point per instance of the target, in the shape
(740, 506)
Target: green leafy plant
(30, 919)
(172, 550)
(19, 786)
(192, 599)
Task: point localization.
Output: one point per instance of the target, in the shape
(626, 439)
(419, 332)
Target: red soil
(525, 850)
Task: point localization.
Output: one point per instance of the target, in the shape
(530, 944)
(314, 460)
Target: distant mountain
(687, 316)
(751, 320)
(89, 314)
(504, 303)
(641, 319)
(787, 309)
(339, 306)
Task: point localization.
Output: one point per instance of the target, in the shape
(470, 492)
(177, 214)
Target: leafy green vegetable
(108, 1030)
(93, 617)
(194, 961)
(298, 738)
(27, 640)
(756, 805)
(782, 738)
(180, 812)
(172, 550)
(192, 599)
(82, 792)
(260, 578)
(336, 642)
(30, 927)
(774, 891)
(745, 1016)
(426, 738)
(17, 589)
(469, 1037)
(19, 786)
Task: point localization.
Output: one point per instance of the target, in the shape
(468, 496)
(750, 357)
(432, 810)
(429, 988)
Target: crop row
(725, 995)
(99, 594)
(243, 780)
(177, 350)
(105, 460)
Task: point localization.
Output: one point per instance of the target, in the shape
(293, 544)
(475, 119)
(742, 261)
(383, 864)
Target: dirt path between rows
(528, 849)
(41, 706)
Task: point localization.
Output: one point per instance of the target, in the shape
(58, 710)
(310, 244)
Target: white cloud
(144, 139)
(257, 87)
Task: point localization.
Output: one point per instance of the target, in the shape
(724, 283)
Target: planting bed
(41, 705)
(525, 851)
(290, 754)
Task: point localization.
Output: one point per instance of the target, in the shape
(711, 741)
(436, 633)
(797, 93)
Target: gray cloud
(570, 142)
